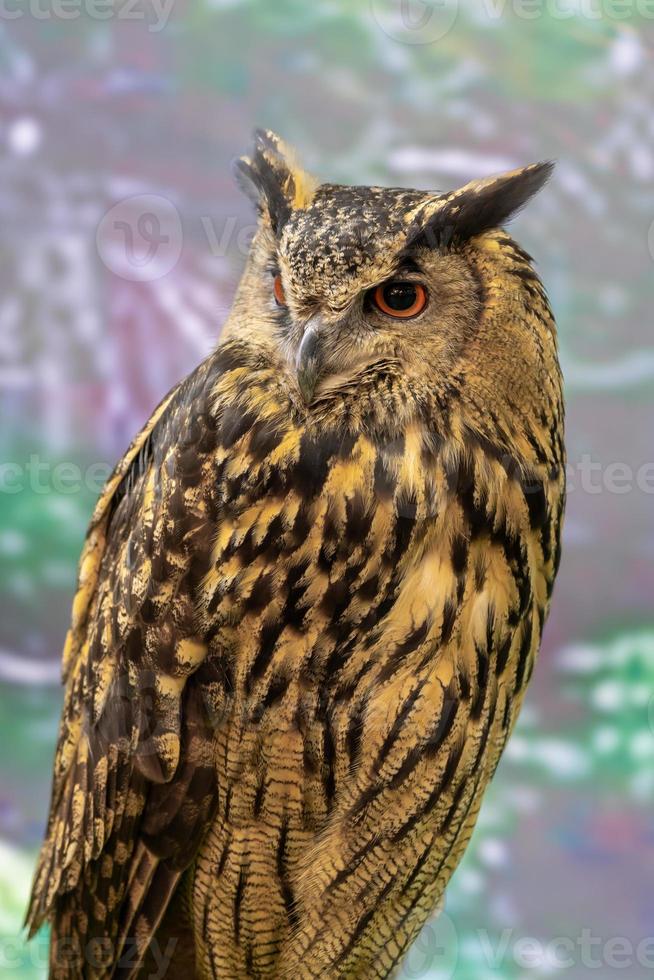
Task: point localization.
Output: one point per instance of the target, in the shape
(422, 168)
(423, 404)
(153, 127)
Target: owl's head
(345, 282)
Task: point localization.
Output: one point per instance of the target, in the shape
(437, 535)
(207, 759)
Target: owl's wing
(132, 781)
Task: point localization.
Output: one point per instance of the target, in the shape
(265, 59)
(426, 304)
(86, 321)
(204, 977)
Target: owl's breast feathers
(299, 639)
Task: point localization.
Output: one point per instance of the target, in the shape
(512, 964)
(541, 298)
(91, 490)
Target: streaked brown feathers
(303, 632)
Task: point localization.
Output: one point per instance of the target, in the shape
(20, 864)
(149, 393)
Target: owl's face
(342, 279)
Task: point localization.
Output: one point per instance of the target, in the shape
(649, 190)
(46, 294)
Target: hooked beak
(309, 359)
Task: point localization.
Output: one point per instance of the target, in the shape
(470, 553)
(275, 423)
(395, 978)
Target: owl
(311, 596)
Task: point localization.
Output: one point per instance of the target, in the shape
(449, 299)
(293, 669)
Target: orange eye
(400, 299)
(278, 290)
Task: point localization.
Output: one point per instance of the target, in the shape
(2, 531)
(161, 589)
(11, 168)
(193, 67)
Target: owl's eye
(400, 299)
(278, 290)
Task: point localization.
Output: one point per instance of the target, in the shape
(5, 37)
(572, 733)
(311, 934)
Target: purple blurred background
(122, 238)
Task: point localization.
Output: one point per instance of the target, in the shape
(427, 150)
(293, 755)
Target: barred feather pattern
(349, 650)
(300, 641)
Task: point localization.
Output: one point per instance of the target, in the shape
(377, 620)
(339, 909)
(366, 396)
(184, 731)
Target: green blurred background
(100, 106)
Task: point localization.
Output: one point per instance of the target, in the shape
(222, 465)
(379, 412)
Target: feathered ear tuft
(476, 207)
(273, 179)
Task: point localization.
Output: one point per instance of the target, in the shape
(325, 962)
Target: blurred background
(122, 237)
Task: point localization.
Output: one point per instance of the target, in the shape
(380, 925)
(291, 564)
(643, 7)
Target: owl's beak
(308, 360)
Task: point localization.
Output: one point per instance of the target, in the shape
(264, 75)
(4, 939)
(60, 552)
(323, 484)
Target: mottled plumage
(311, 597)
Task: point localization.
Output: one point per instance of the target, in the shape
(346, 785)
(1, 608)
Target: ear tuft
(273, 179)
(477, 207)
